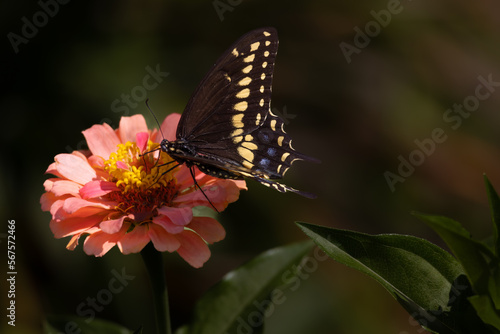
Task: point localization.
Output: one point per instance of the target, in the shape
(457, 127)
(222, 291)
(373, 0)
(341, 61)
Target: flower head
(118, 194)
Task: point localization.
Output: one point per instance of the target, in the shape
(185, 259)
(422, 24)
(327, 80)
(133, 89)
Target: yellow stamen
(138, 172)
(143, 180)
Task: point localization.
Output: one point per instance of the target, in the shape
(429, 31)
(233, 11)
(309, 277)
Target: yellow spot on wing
(284, 156)
(254, 46)
(250, 146)
(245, 81)
(263, 76)
(249, 59)
(237, 139)
(237, 123)
(247, 164)
(264, 64)
(266, 33)
(261, 103)
(244, 93)
(235, 52)
(236, 132)
(248, 138)
(245, 153)
(267, 43)
(262, 89)
(273, 125)
(257, 120)
(247, 69)
(266, 54)
(280, 140)
(241, 106)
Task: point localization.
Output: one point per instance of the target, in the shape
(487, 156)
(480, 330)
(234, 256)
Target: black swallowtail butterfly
(228, 129)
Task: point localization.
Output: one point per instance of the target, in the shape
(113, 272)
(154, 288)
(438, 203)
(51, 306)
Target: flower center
(146, 181)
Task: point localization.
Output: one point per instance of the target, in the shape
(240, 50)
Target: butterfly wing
(237, 76)
(229, 121)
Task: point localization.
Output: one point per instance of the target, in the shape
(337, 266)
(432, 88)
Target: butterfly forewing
(234, 96)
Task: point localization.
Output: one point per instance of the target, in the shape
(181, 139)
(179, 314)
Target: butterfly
(227, 129)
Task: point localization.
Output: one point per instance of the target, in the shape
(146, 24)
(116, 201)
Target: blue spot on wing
(264, 162)
(271, 151)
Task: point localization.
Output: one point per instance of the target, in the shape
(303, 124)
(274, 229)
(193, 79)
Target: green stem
(154, 264)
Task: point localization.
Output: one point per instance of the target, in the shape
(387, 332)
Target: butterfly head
(177, 148)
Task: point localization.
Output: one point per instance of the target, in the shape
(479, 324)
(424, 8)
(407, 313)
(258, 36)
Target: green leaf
(55, 324)
(494, 286)
(495, 212)
(473, 255)
(486, 310)
(417, 273)
(242, 300)
(182, 330)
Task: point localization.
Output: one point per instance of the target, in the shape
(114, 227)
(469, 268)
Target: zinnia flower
(115, 195)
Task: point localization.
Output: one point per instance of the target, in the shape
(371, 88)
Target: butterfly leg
(191, 170)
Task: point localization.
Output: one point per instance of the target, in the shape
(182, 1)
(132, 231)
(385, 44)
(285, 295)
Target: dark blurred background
(357, 110)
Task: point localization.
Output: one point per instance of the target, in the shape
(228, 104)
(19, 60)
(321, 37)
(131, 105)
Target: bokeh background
(357, 114)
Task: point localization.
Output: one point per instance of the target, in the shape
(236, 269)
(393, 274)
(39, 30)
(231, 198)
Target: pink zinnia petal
(162, 240)
(73, 204)
(101, 139)
(97, 188)
(208, 228)
(130, 126)
(142, 140)
(58, 211)
(99, 243)
(49, 184)
(183, 177)
(134, 241)
(52, 169)
(168, 128)
(47, 200)
(73, 242)
(63, 187)
(220, 193)
(74, 168)
(122, 165)
(193, 249)
(168, 225)
(178, 216)
(63, 228)
(112, 226)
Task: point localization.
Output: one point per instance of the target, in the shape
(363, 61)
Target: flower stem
(154, 264)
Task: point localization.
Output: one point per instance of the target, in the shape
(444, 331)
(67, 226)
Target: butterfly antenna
(159, 127)
(156, 119)
(196, 183)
